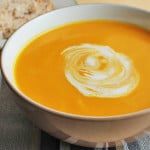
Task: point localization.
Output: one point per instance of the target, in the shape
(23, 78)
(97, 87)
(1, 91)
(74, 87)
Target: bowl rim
(61, 113)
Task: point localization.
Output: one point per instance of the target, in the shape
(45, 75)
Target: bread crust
(14, 13)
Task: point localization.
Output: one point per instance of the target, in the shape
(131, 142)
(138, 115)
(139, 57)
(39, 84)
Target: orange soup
(89, 68)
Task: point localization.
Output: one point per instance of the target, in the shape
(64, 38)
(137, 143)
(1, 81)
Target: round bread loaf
(14, 13)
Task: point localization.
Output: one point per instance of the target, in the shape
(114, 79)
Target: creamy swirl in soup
(100, 71)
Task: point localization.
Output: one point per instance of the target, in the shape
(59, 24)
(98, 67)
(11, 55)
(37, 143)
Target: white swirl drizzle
(99, 71)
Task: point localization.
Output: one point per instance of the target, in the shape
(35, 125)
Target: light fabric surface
(144, 4)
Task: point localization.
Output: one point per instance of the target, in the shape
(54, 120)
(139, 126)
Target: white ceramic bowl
(85, 131)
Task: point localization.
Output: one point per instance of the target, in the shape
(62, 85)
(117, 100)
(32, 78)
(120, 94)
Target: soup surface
(90, 68)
